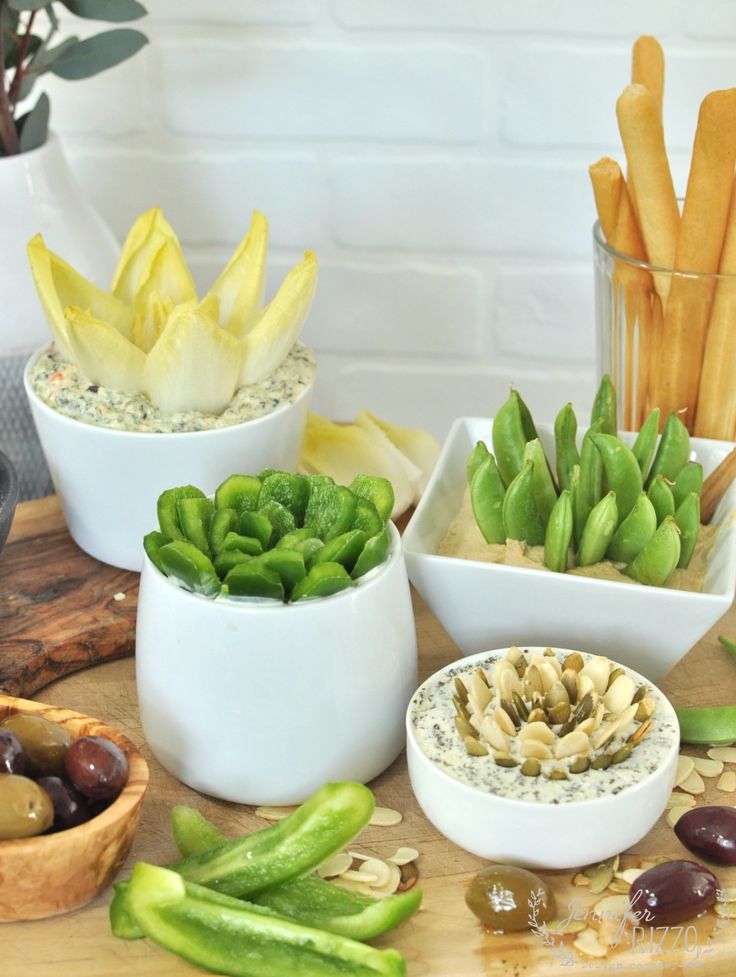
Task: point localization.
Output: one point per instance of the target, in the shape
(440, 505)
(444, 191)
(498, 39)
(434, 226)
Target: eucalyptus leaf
(34, 126)
(12, 47)
(8, 20)
(95, 54)
(45, 56)
(28, 4)
(113, 11)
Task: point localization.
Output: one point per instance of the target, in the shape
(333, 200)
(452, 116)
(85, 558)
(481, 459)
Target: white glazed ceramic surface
(538, 835)
(485, 605)
(263, 702)
(108, 481)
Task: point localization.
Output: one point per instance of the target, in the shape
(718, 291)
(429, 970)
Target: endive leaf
(102, 354)
(239, 289)
(418, 446)
(148, 233)
(345, 450)
(194, 365)
(60, 285)
(412, 472)
(278, 326)
(150, 321)
(168, 275)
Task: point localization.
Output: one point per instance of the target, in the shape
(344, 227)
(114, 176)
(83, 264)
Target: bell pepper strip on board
(227, 936)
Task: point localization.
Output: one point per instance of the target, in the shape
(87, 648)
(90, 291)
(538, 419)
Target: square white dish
(487, 605)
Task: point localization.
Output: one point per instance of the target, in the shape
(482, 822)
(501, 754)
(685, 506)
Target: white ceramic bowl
(262, 702)
(531, 833)
(108, 481)
(485, 605)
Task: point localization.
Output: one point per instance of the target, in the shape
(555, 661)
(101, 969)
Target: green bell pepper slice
(377, 490)
(152, 543)
(373, 554)
(367, 517)
(290, 491)
(288, 564)
(195, 517)
(323, 580)
(239, 492)
(257, 525)
(168, 512)
(344, 549)
(244, 544)
(254, 579)
(227, 559)
(331, 508)
(224, 521)
(182, 559)
(282, 520)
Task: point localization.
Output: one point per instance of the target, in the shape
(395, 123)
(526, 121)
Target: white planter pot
(39, 193)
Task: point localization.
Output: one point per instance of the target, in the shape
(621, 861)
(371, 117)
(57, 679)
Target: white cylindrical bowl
(108, 481)
(262, 702)
(539, 834)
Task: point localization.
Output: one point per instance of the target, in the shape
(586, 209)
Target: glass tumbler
(668, 339)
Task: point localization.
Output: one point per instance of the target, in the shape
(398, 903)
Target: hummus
(465, 541)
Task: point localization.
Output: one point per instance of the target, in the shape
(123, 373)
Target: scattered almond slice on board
(674, 814)
(725, 753)
(685, 766)
(727, 781)
(385, 817)
(707, 767)
(274, 813)
(679, 799)
(587, 942)
(337, 865)
(693, 783)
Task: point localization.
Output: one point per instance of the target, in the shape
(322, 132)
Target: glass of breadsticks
(665, 270)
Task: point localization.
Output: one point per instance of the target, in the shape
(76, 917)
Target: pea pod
(661, 497)
(521, 519)
(509, 438)
(558, 535)
(633, 532)
(545, 493)
(477, 456)
(527, 421)
(598, 531)
(646, 441)
(591, 471)
(687, 518)
(622, 471)
(689, 479)
(486, 498)
(566, 452)
(673, 451)
(605, 408)
(659, 557)
(711, 725)
(580, 508)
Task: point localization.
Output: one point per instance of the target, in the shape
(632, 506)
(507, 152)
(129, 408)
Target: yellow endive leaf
(418, 446)
(413, 474)
(59, 284)
(279, 325)
(150, 321)
(102, 354)
(194, 365)
(210, 306)
(168, 275)
(239, 289)
(346, 450)
(136, 265)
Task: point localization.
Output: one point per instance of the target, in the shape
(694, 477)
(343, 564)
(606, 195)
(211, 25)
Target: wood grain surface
(444, 939)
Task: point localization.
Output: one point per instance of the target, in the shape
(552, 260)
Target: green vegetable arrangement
(247, 906)
(634, 505)
(278, 535)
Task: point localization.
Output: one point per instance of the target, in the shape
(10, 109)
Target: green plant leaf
(113, 11)
(28, 4)
(12, 47)
(95, 54)
(33, 127)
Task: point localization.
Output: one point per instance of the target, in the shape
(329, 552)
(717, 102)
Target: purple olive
(710, 832)
(12, 759)
(96, 766)
(70, 807)
(672, 892)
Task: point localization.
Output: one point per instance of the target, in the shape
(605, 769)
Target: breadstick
(647, 67)
(702, 231)
(649, 172)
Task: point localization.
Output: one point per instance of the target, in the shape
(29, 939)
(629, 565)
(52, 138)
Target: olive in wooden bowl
(60, 870)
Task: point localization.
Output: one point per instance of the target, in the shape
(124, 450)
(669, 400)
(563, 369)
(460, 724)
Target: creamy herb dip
(62, 387)
(433, 719)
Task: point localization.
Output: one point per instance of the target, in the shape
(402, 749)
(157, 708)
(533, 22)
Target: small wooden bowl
(51, 874)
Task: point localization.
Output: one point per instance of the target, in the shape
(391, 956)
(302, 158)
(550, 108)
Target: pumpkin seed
(623, 754)
(568, 727)
(464, 728)
(613, 676)
(559, 714)
(602, 762)
(579, 765)
(409, 876)
(574, 661)
(557, 774)
(460, 689)
(537, 715)
(583, 708)
(475, 747)
(600, 876)
(461, 708)
(506, 761)
(531, 767)
(644, 708)
(511, 712)
(520, 706)
(570, 681)
(642, 691)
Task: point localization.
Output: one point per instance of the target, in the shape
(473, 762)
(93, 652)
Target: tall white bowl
(108, 481)
(261, 702)
(490, 605)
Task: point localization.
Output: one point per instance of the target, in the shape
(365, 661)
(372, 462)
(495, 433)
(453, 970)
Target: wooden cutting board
(61, 611)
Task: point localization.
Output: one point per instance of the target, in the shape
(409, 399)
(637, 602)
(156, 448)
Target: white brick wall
(433, 152)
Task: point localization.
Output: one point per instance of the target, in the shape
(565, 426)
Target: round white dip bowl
(535, 833)
(262, 702)
(108, 481)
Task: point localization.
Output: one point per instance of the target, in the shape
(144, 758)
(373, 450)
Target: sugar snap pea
(545, 493)
(486, 497)
(591, 470)
(689, 479)
(475, 459)
(580, 508)
(527, 421)
(661, 497)
(558, 535)
(521, 518)
(711, 725)
(646, 441)
(687, 518)
(509, 438)
(659, 557)
(605, 408)
(728, 644)
(633, 532)
(623, 474)
(673, 450)
(566, 452)
(598, 531)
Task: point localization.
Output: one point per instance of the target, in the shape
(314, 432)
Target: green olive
(44, 743)
(499, 896)
(25, 808)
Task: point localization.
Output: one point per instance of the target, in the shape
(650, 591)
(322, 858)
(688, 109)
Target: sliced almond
(506, 680)
(707, 767)
(725, 753)
(563, 927)
(504, 721)
(479, 691)
(274, 813)
(619, 885)
(693, 783)
(515, 656)
(645, 708)
(492, 733)
(678, 799)
(580, 879)
(620, 694)
(384, 817)
(360, 887)
(533, 682)
(536, 750)
(537, 731)
(598, 669)
(615, 727)
(391, 885)
(337, 865)
(378, 870)
(614, 907)
(674, 814)
(353, 875)
(572, 744)
(403, 856)
(727, 781)
(685, 766)
(585, 685)
(629, 874)
(549, 674)
(587, 943)
(587, 726)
